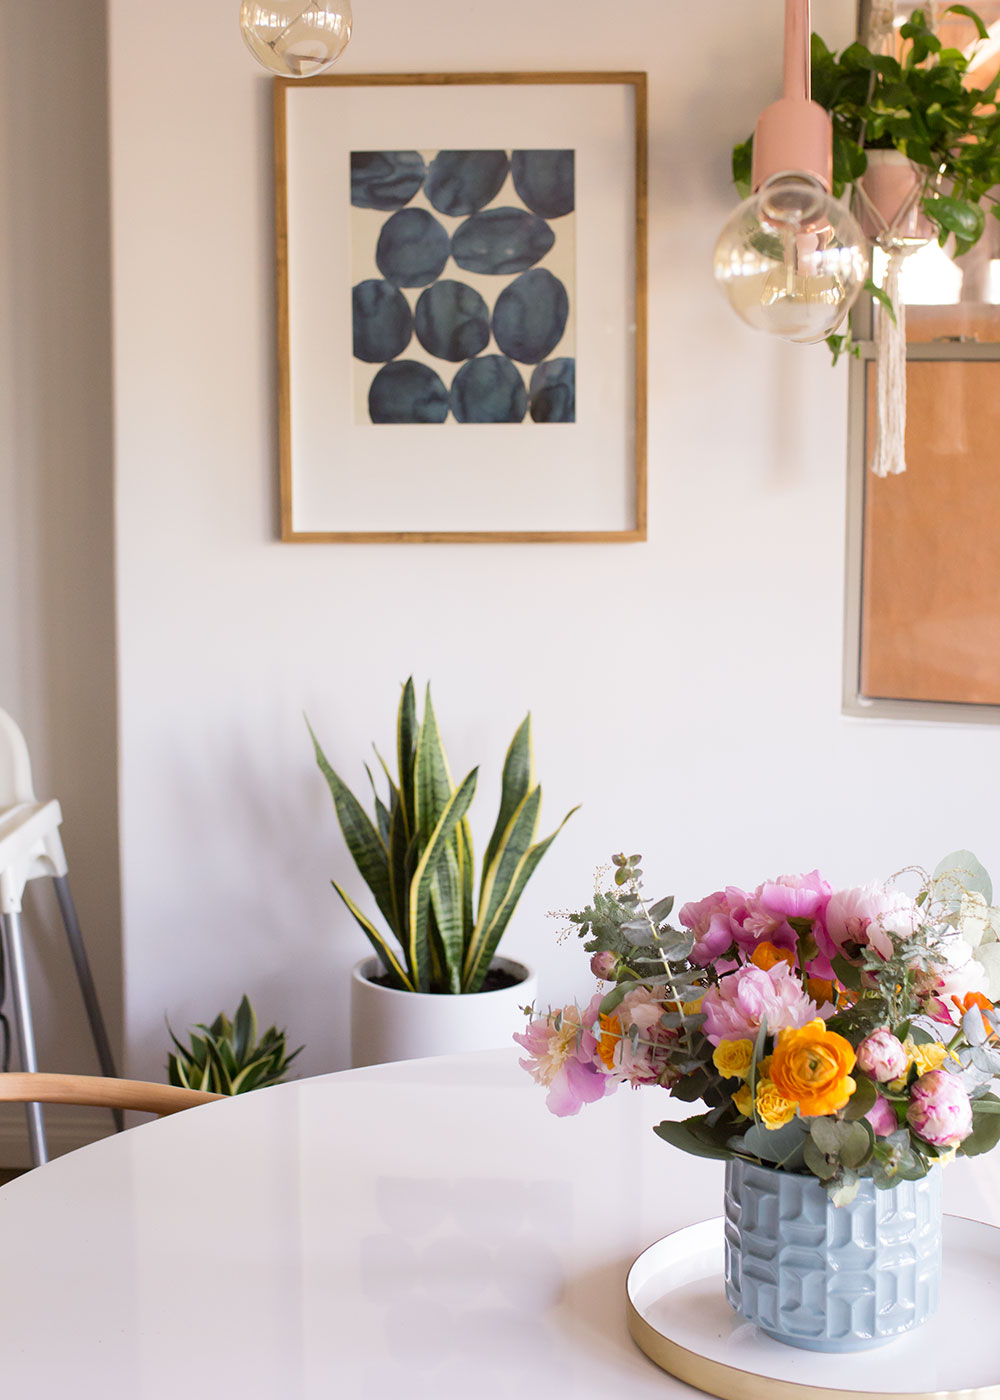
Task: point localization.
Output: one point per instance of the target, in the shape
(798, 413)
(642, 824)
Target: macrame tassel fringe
(889, 456)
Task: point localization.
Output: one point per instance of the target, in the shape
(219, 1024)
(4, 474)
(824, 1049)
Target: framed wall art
(462, 307)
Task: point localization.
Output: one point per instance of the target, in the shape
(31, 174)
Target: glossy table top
(423, 1229)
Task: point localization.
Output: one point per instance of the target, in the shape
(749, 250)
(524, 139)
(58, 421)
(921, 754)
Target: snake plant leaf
(388, 958)
(420, 888)
(475, 977)
(364, 843)
(406, 752)
(381, 811)
(518, 836)
(518, 776)
(244, 1028)
(398, 877)
(432, 778)
(467, 873)
(446, 902)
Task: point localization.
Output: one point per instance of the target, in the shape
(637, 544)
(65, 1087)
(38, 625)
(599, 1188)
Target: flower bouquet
(843, 1045)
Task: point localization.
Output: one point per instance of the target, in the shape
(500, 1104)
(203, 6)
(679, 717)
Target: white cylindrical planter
(387, 1024)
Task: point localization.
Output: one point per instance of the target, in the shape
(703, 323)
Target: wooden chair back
(101, 1093)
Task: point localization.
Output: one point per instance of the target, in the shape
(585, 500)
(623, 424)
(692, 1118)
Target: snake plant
(416, 856)
(227, 1057)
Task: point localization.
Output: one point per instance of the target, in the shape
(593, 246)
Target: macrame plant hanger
(890, 216)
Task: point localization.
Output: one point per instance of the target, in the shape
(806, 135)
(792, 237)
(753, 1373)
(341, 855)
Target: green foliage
(919, 105)
(228, 1058)
(417, 859)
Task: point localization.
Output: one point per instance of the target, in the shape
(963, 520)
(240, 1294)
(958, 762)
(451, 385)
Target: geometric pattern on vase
(825, 1277)
(463, 284)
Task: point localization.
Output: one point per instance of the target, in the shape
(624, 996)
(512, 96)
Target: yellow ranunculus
(925, 1057)
(691, 1008)
(811, 1067)
(743, 1099)
(773, 1109)
(733, 1058)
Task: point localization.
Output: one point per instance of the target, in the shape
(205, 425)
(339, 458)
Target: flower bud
(882, 1056)
(605, 966)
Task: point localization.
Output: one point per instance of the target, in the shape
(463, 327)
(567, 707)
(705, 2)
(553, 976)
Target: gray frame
(854, 701)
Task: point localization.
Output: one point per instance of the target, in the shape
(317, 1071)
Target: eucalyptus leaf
(862, 1100)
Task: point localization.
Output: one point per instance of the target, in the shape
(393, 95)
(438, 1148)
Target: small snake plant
(417, 859)
(227, 1057)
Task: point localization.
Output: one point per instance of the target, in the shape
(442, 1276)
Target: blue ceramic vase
(826, 1277)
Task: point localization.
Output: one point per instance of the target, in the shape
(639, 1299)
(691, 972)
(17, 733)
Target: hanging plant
(947, 135)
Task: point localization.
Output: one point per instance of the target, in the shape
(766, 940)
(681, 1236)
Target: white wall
(56, 532)
(685, 690)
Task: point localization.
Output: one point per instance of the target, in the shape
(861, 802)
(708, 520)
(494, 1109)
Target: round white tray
(678, 1315)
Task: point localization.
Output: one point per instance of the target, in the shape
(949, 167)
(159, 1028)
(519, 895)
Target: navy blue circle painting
(460, 182)
(552, 392)
(412, 248)
(383, 322)
(488, 390)
(405, 391)
(501, 241)
(530, 316)
(385, 179)
(545, 181)
(464, 262)
(452, 321)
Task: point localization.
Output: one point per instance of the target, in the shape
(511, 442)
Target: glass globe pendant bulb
(792, 260)
(295, 38)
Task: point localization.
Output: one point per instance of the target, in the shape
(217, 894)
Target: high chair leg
(85, 978)
(25, 1032)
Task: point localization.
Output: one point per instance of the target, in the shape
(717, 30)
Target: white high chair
(30, 849)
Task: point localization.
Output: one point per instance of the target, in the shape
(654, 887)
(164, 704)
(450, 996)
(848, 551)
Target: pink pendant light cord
(794, 134)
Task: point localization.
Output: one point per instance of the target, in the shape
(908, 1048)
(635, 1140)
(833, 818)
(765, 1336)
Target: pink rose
(865, 917)
(882, 1056)
(709, 921)
(939, 1110)
(882, 1117)
(735, 1008)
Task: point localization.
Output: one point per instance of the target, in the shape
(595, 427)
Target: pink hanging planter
(888, 201)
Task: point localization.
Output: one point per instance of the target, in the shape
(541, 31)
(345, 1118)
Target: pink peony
(939, 1110)
(709, 920)
(882, 1117)
(736, 1007)
(773, 903)
(867, 916)
(564, 1059)
(882, 1056)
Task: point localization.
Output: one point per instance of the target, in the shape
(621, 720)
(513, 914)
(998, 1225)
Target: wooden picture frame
(424, 444)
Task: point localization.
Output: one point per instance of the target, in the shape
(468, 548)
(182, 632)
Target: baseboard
(66, 1129)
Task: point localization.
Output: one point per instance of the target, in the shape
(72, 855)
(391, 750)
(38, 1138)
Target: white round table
(424, 1229)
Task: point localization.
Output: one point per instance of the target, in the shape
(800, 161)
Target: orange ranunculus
(812, 1067)
(611, 1038)
(821, 990)
(971, 999)
(765, 955)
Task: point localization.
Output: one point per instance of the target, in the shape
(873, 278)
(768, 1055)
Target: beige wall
(57, 671)
(708, 736)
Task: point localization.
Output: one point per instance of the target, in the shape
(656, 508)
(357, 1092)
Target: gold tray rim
(735, 1383)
